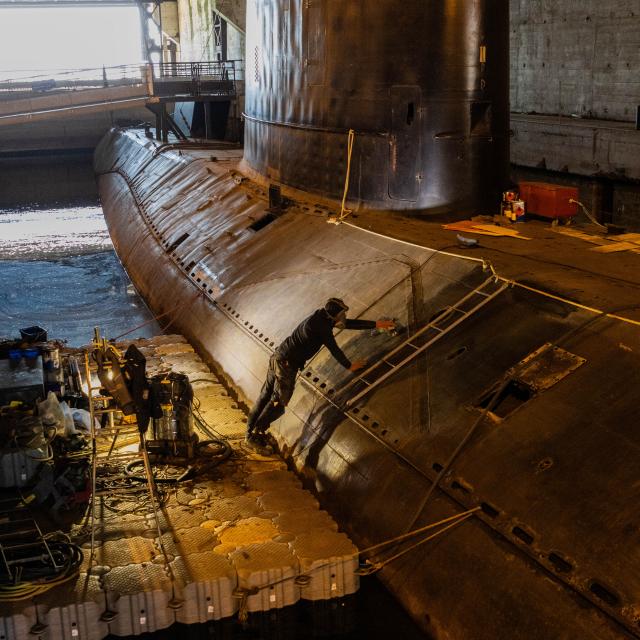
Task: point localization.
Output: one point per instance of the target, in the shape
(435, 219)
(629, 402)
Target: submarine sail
(422, 84)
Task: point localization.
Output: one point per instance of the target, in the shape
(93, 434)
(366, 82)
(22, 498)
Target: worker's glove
(357, 365)
(386, 324)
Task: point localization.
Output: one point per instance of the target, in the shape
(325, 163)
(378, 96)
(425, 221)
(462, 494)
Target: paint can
(506, 210)
(518, 211)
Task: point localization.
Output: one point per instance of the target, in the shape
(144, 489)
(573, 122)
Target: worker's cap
(334, 307)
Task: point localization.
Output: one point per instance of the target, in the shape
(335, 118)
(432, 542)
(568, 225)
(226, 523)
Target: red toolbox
(549, 200)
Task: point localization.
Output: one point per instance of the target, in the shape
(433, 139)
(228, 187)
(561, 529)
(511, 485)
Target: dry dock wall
(196, 28)
(576, 59)
(575, 92)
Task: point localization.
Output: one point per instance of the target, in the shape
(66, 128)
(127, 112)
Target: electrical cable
(588, 213)
(156, 318)
(213, 433)
(46, 458)
(559, 264)
(66, 72)
(36, 580)
(129, 469)
(191, 471)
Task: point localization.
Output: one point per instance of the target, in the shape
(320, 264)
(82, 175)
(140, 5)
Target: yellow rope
(376, 566)
(344, 212)
(28, 590)
(459, 516)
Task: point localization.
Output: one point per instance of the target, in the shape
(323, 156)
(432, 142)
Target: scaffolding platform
(240, 537)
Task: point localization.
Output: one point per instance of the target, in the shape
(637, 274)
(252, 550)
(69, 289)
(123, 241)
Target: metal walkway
(236, 539)
(79, 92)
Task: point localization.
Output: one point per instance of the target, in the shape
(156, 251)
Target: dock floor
(240, 537)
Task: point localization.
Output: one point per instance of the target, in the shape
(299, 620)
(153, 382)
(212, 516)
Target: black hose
(129, 470)
(66, 554)
(191, 471)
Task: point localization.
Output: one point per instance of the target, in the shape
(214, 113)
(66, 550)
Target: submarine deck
(203, 217)
(554, 260)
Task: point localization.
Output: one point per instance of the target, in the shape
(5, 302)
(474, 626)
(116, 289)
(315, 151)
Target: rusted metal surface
(550, 553)
(423, 84)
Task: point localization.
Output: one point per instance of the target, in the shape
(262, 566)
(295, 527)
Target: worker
(291, 356)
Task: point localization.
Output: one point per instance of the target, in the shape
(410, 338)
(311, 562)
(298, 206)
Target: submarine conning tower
(422, 83)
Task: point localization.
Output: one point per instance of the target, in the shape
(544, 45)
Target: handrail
(72, 80)
(217, 69)
(120, 75)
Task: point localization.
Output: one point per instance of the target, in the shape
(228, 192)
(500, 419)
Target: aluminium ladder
(443, 323)
(102, 405)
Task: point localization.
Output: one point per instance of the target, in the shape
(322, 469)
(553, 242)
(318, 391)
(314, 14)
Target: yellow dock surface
(240, 537)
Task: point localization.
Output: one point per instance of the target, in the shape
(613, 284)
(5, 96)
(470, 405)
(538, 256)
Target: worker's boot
(258, 442)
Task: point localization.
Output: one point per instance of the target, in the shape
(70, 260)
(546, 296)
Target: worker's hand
(357, 365)
(388, 325)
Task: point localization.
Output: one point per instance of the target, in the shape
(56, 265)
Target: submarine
(487, 455)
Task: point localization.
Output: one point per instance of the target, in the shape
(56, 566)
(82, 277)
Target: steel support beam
(12, 4)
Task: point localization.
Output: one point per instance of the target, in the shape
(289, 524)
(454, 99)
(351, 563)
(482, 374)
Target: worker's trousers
(274, 395)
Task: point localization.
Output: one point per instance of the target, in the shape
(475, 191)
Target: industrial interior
(387, 256)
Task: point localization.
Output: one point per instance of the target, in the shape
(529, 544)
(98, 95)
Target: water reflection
(34, 234)
(59, 271)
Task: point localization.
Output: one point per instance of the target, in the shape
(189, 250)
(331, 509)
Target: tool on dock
(31, 562)
(164, 401)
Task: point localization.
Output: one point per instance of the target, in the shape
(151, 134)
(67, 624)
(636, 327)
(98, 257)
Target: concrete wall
(77, 132)
(47, 179)
(170, 20)
(576, 58)
(575, 89)
(196, 27)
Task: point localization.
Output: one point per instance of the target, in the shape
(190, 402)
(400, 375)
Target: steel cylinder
(171, 400)
(422, 83)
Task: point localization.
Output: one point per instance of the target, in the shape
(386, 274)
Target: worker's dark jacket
(311, 334)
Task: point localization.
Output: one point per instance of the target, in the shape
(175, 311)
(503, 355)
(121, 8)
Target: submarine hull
(534, 560)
